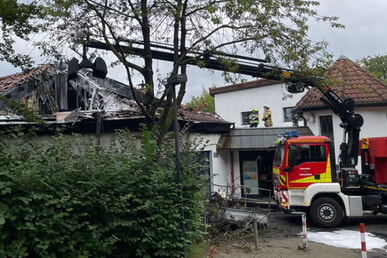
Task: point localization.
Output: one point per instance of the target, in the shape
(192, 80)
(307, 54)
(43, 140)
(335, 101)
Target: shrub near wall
(73, 198)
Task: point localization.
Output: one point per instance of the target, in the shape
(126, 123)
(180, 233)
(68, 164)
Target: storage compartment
(378, 157)
(381, 170)
(378, 146)
(371, 201)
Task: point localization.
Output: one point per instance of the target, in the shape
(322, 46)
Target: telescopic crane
(351, 122)
(304, 171)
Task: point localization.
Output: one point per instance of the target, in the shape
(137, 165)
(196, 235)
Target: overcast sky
(364, 35)
(365, 28)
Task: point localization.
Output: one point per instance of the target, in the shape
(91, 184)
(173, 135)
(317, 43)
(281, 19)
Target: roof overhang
(209, 127)
(87, 121)
(257, 138)
(358, 105)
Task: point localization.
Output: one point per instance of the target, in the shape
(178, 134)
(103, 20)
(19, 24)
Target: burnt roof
(349, 81)
(10, 81)
(196, 118)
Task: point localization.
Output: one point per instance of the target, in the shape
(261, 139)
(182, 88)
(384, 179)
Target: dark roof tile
(10, 81)
(350, 81)
(189, 115)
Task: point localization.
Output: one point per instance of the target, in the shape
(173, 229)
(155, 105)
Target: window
(308, 153)
(205, 158)
(245, 117)
(288, 111)
(326, 126)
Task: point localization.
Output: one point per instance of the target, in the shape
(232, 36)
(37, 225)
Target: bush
(74, 198)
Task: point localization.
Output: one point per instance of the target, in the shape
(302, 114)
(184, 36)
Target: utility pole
(172, 81)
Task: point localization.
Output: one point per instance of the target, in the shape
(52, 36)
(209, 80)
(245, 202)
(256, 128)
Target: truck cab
(307, 161)
(301, 161)
(305, 179)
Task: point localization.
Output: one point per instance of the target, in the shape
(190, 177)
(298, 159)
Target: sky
(364, 35)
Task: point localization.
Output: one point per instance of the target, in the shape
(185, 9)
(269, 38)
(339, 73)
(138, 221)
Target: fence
(233, 193)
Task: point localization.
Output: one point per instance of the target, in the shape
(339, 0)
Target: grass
(197, 250)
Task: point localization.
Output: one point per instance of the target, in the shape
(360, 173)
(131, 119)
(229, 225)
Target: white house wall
(222, 173)
(219, 161)
(227, 174)
(229, 105)
(313, 122)
(375, 123)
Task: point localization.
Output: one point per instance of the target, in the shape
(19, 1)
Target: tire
(326, 212)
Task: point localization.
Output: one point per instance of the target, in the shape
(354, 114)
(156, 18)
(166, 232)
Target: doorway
(256, 172)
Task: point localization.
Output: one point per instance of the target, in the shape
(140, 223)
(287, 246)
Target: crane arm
(351, 122)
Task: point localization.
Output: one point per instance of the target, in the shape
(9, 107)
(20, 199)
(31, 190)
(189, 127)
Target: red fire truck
(306, 178)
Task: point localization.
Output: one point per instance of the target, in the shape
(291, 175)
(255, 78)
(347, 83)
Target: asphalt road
(375, 224)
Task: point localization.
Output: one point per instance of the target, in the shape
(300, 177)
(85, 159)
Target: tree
(18, 21)
(204, 102)
(376, 66)
(275, 30)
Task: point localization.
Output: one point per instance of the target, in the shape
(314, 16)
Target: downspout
(232, 173)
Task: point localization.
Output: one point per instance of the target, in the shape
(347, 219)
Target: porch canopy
(256, 138)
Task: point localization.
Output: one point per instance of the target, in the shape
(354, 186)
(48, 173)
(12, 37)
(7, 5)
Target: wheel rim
(327, 212)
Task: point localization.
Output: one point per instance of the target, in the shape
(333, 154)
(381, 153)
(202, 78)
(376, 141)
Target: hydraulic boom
(351, 122)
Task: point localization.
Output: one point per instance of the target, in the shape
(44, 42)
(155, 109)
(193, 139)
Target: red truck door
(308, 164)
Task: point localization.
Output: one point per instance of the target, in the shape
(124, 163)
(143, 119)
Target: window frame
(285, 113)
(245, 117)
(310, 153)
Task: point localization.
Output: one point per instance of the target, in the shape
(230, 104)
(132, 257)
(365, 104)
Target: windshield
(307, 153)
(279, 155)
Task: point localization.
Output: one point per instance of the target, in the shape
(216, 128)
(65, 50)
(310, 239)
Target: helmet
(255, 110)
(266, 105)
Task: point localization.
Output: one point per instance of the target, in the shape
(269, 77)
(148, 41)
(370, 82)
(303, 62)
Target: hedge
(75, 198)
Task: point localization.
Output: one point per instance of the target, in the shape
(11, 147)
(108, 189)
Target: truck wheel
(326, 212)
